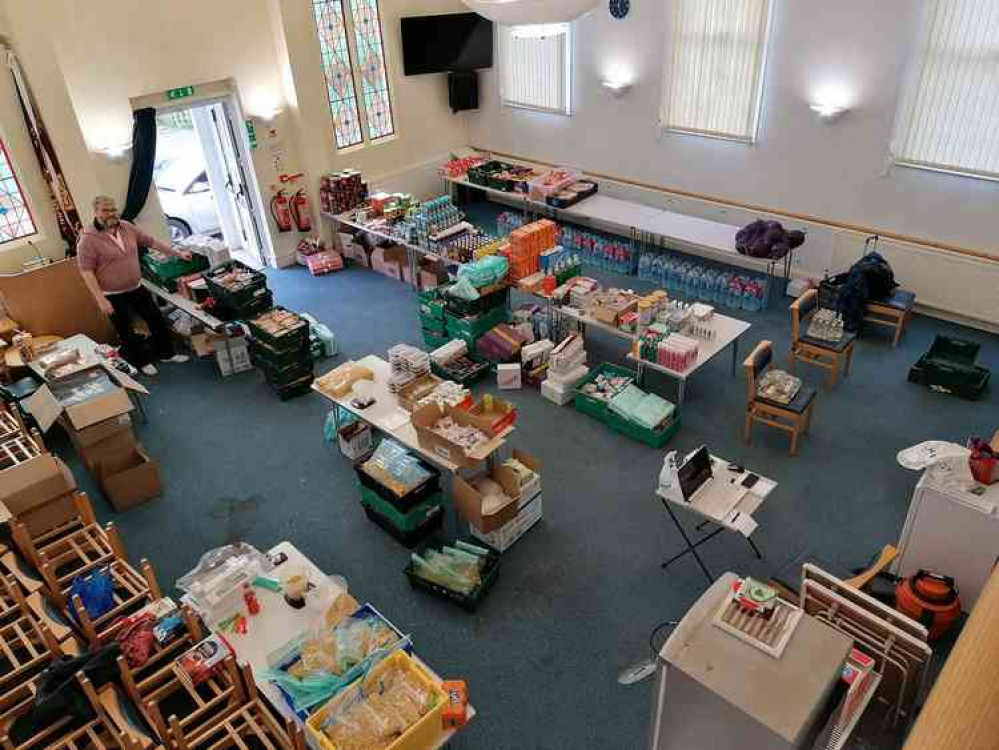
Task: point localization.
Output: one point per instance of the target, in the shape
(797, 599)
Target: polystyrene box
(508, 377)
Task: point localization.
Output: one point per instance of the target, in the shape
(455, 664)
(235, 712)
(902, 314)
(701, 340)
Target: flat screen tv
(438, 44)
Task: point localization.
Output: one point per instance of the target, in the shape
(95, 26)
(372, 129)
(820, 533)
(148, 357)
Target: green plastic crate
(165, 272)
(436, 325)
(433, 340)
(476, 326)
(596, 407)
(405, 522)
(642, 434)
(486, 301)
(431, 305)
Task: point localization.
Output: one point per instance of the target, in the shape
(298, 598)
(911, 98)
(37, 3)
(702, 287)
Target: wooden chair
(895, 312)
(201, 706)
(60, 541)
(830, 355)
(794, 417)
(249, 725)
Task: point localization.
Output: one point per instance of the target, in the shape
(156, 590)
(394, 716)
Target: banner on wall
(63, 205)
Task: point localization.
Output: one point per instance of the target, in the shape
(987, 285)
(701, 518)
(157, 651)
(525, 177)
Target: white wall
(800, 165)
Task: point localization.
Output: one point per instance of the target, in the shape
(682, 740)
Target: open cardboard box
(111, 402)
(111, 448)
(130, 478)
(426, 417)
(88, 436)
(493, 415)
(469, 501)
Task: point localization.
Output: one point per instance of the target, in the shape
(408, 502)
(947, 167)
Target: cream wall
(834, 171)
(89, 61)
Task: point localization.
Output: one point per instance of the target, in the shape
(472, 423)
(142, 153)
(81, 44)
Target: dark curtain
(143, 157)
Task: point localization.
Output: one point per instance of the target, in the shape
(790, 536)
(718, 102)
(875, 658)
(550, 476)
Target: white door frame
(227, 93)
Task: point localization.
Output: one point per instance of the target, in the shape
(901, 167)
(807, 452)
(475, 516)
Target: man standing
(108, 256)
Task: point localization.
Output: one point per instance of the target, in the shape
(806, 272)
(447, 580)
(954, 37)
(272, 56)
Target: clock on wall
(620, 8)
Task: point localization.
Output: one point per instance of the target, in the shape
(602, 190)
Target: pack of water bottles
(691, 280)
(606, 254)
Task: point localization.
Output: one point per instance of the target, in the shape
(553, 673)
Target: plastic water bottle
(643, 266)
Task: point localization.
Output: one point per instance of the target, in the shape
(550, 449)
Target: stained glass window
(371, 68)
(15, 216)
(353, 58)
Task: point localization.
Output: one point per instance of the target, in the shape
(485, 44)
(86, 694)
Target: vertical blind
(714, 67)
(949, 117)
(535, 63)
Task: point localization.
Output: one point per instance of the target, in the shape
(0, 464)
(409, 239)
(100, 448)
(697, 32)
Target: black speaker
(463, 90)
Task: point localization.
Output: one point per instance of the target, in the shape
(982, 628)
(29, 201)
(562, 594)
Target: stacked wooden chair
(81, 547)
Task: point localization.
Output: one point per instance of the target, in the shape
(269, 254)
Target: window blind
(536, 67)
(949, 116)
(714, 68)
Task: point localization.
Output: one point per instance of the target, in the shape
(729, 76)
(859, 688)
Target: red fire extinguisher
(281, 211)
(301, 212)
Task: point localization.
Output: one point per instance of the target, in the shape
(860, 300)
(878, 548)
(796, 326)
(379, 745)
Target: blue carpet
(578, 595)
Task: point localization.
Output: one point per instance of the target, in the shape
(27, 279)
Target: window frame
(356, 77)
(913, 78)
(24, 239)
(567, 73)
(753, 136)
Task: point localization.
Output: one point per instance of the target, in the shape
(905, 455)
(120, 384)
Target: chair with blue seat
(794, 417)
(894, 312)
(835, 356)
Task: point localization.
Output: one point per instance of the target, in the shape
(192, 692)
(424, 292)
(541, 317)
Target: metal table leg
(755, 548)
(680, 386)
(735, 355)
(691, 547)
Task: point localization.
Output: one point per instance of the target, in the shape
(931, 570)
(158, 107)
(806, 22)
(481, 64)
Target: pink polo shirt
(115, 265)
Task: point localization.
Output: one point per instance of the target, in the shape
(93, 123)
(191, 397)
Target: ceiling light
(519, 12)
(828, 111)
(616, 87)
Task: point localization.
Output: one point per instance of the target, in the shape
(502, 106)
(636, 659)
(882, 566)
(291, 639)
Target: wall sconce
(828, 111)
(617, 87)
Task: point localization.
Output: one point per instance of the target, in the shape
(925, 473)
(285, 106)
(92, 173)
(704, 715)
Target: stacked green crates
(240, 299)
(431, 314)
(164, 272)
(285, 359)
(409, 518)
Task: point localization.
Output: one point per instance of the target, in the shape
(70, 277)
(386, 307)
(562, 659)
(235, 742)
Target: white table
(386, 415)
(728, 332)
(708, 239)
(717, 509)
(182, 303)
(277, 624)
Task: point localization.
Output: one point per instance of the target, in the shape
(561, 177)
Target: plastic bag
(464, 289)
(779, 386)
(489, 270)
(95, 591)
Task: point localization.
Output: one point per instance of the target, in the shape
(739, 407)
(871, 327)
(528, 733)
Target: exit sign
(181, 93)
(251, 133)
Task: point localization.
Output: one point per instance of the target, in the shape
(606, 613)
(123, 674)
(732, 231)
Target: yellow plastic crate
(420, 736)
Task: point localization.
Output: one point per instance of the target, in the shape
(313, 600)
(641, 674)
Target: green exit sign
(251, 133)
(181, 93)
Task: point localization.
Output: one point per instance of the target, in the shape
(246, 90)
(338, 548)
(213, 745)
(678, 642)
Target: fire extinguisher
(281, 211)
(301, 212)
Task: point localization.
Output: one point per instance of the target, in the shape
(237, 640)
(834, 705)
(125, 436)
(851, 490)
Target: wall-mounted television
(452, 42)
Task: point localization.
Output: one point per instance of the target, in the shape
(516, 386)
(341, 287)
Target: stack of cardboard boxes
(526, 245)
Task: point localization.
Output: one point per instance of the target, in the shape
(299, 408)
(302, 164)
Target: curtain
(535, 67)
(949, 116)
(713, 80)
(143, 157)
(67, 216)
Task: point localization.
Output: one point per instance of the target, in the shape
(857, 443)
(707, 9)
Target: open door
(237, 184)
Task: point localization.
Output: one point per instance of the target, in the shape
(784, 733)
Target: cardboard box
(503, 538)
(118, 444)
(52, 513)
(86, 437)
(232, 355)
(130, 478)
(468, 501)
(355, 440)
(32, 484)
(508, 377)
(423, 420)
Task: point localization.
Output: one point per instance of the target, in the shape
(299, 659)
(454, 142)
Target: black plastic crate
(235, 298)
(407, 539)
(259, 305)
(463, 378)
(469, 601)
(291, 339)
(284, 376)
(277, 358)
(430, 487)
(463, 308)
(294, 389)
(964, 381)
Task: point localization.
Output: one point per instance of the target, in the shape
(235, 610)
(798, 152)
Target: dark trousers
(135, 348)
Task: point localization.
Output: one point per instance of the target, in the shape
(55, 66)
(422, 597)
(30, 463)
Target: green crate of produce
(477, 325)
(596, 407)
(436, 325)
(290, 337)
(433, 340)
(640, 433)
(236, 285)
(404, 522)
(489, 299)
(165, 272)
(431, 305)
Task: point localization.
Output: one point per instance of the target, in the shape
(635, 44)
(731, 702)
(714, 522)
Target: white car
(186, 195)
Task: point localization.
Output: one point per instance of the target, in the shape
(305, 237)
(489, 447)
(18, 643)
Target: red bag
(982, 461)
